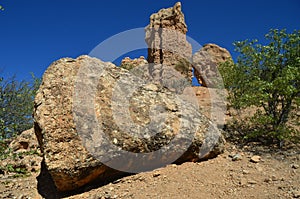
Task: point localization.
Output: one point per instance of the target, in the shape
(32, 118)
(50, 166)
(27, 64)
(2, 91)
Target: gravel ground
(241, 172)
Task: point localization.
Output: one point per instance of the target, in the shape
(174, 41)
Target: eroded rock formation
(96, 121)
(217, 53)
(206, 62)
(166, 40)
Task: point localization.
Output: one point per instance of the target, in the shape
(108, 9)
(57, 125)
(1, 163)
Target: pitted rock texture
(129, 64)
(166, 39)
(205, 63)
(135, 116)
(217, 53)
(67, 160)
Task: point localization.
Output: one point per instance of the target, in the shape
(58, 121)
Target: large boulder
(95, 121)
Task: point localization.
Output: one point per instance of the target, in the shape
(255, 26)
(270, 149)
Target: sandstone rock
(166, 40)
(255, 159)
(205, 63)
(143, 124)
(295, 166)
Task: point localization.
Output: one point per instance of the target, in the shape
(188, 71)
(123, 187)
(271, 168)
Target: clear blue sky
(36, 33)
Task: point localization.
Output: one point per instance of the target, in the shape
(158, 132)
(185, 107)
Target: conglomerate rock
(129, 64)
(95, 121)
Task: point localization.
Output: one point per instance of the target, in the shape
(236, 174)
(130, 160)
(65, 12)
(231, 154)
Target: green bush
(266, 77)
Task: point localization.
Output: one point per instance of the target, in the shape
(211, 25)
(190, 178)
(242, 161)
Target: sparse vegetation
(267, 78)
(183, 66)
(15, 169)
(127, 66)
(16, 106)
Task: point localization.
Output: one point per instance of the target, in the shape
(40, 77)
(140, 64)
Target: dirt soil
(274, 174)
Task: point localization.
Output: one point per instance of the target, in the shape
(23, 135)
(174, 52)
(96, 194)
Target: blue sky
(36, 33)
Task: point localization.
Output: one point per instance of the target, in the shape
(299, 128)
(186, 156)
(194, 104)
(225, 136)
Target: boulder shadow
(47, 189)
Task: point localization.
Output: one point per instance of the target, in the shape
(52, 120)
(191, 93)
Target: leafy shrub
(266, 77)
(16, 107)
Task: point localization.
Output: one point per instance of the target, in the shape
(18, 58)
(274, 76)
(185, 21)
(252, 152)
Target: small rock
(255, 159)
(267, 180)
(117, 181)
(231, 155)
(243, 182)
(246, 172)
(115, 141)
(236, 157)
(281, 187)
(252, 182)
(156, 174)
(295, 166)
(141, 178)
(296, 194)
(274, 178)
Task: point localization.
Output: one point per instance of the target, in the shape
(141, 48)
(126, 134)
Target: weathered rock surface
(26, 141)
(129, 64)
(217, 53)
(67, 160)
(205, 63)
(137, 118)
(166, 40)
(213, 104)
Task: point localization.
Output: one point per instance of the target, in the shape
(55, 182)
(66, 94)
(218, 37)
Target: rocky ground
(241, 172)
